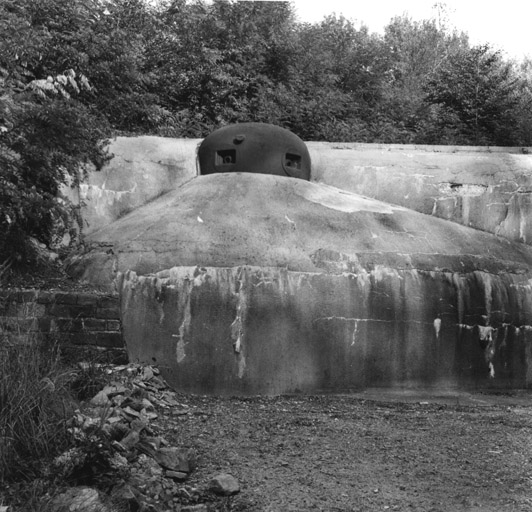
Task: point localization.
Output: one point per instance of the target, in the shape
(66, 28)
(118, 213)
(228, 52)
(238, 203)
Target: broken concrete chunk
(118, 461)
(79, 499)
(224, 484)
(130, 440)
(138, 425)
(146, 404)
(135, 404)
(100, 399)
(131, 412)
(114, 389)
(126, 493)
(149, 415)
(147, 373)
(176, 459)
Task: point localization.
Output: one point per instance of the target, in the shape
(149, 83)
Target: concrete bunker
(238, 282)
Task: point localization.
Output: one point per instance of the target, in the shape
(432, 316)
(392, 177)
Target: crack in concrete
(237, 327)
(376, 320)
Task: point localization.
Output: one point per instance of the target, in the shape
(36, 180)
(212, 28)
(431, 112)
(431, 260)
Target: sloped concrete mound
(237, 283)
(484, 188)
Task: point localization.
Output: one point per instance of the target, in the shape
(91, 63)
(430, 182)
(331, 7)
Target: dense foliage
(46, 133)
(73, 72)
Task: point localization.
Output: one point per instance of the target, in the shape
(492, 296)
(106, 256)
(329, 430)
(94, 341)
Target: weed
(40, 450)
(4, 268)
(89, 379)
(33, 405)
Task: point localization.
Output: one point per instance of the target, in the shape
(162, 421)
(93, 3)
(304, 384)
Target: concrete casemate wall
(484, 188)
(269, 330)
(242, 283)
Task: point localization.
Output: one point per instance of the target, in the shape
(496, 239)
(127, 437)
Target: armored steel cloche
(256, 148)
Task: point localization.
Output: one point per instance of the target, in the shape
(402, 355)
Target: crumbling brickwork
(84, 324)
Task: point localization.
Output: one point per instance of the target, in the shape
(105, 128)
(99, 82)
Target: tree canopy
(75, 72)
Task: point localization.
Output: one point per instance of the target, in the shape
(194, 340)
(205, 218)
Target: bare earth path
(350, 453)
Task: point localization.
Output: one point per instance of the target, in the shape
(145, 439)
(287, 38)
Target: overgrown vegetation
(32, 410)
(74, 72)
(38, 399)
(47, 134)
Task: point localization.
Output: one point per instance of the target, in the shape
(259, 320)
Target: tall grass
(34, 405)
(39, 395)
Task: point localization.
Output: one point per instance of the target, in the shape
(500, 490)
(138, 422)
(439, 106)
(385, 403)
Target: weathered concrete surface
(141, 169)
(485, 188)
(263, 284)
(265, 330)
(237, 219)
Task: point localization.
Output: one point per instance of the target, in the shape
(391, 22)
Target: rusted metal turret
(256, 148)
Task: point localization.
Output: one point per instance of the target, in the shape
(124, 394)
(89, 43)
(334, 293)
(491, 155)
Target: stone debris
(176, 459)
(101, 399)
(224, 484)
(130, 440)
(176, 475)
(153, 472)
(79, 499)
(125, 493)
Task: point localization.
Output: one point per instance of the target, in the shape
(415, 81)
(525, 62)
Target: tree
(415, 49)
(476, 90)
(337, 80)
(217, 63)
(47, 137)
(523, 127)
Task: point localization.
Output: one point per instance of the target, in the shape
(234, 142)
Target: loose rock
(100, 400)
(79, 499)
(224, 484)
(177, 475)
(176, 459)
(130, 440)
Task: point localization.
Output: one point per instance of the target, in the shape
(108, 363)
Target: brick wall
(86, 325)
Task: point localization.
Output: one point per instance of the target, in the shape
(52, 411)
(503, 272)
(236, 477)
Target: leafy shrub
(48, 145)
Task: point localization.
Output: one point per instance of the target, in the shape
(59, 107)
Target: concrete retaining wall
(86, 325)
(269, 330)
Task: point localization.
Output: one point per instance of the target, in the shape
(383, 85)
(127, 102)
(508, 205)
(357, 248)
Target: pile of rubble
(120, 429)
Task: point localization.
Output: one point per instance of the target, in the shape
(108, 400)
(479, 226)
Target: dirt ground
(368, 451)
